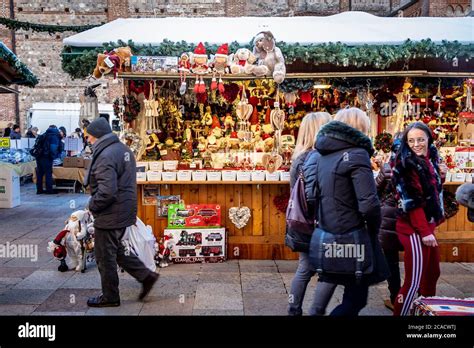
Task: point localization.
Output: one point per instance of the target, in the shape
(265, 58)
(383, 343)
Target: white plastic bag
(139, 240)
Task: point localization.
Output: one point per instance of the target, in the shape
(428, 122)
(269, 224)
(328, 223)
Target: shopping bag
(139, 240)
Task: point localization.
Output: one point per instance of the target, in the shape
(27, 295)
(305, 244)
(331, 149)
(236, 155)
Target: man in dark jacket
(113, 203)
(50, 146)
(15, 134)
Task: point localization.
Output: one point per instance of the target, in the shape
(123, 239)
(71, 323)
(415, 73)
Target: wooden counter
(263, 237)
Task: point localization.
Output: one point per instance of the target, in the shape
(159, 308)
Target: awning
(13, 71)
(351, 28)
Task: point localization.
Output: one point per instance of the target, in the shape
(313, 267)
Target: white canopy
(352, 28)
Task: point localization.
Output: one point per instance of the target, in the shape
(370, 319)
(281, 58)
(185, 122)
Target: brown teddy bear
(113, 61)
(269, 55)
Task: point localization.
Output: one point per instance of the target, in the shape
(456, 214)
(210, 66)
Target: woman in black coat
(348, 200)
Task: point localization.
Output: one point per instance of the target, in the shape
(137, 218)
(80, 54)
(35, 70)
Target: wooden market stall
(362, 61)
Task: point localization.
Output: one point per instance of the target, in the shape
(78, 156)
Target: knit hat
(200, 51)
(99, 127)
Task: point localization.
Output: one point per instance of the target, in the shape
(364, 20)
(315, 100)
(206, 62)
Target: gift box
(194, 215)
(199, 175)
(214, 176)
(197, 245)
(443, 306)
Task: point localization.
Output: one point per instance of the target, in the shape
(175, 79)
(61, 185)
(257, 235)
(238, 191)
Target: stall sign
(150, 64)
(4, 143)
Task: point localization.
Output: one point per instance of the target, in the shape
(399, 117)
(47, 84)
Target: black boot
(147, 284)
(99, 301)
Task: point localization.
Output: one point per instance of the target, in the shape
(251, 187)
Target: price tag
(5, 143)
(163, 152)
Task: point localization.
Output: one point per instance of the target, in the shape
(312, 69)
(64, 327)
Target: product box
(153, 176)
(168, 176)
(170, 165)
(199, 175)
(184, 175)
(458, 177)
(156, 166)
(228, 175)
(152, 64)
(275, 176)
(194, 215)
(243, 175)
(258, 175)
(9, 188)
(142, 165)
(285, 176)
(141, 176)
(87, 163)
(214, 176)
(443, 306)
(197, 245)
(73, 162)
(464, 157)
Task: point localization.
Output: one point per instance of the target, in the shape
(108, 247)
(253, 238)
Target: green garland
(27, 77)
(81, 64)
(13, 24)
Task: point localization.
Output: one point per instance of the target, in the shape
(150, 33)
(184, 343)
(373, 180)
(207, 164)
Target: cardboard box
(458, 177)
(243, 176)
(153, 176)
(275, 176)
(141, 176)
(285, 176)
(87, 163)
(156, 166)
(197, 245)
(170, 165)
(184, 175)
(214, 176)
(168, 176)
(194, 215)
(73, 162)
(199, 175)
(258, 175)
(9, 188)
(228, 175)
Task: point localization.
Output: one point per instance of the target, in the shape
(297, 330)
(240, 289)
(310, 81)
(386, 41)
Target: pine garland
(16, 25)
(27, 77)
(375, 56)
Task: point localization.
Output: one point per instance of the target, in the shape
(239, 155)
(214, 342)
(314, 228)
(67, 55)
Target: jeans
(109, 251)
(44, 168)
(353, 300)
(322, 295)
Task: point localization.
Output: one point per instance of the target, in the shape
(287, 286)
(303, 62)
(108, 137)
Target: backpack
(300, 222)
(38, 149)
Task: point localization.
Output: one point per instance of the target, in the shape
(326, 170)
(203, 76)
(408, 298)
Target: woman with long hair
(418, 181)
(308, 130)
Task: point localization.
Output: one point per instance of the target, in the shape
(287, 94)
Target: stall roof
(13, 71)
(351, 28)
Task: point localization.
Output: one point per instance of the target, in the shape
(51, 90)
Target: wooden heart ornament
(272, 162)
(243, 110)
(239, 216)
(277, 117)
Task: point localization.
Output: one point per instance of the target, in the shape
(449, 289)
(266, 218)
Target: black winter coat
(348, 196)
(113, 183)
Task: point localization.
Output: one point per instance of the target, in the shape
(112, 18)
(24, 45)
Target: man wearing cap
(113, 203)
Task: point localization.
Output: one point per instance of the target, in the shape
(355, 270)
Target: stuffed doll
(199, 67)
(164, 251)
(242, 62)
(113, 61)
(220, 66)
(268, 56)
(184, 65)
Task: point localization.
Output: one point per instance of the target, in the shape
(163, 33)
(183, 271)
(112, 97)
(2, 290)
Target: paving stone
(88, 280)
(127, 307)
(286, 266)
(462, 282)
(445, 289)
(44, 280)
(67, 300)
(258, 269)
(468, 266)
(169, 305)
(9, 282)
(25, 296)
(58, 314)
(218, 296)
(263, 282)
(288, 279)
(181, 268)
(217, 312)
(175, 284)
(265, 304)
(219, 277)
(17, 272)
(14, 309)
(228, 266)
(452, 268)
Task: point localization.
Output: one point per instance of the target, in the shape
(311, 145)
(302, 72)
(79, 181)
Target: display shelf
(213, 182)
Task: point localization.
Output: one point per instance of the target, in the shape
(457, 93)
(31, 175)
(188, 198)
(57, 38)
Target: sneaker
(39, 192)
(99, 302)
(388, 304)
(147, 285)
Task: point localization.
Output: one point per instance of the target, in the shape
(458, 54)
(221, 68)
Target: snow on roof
(352, 28)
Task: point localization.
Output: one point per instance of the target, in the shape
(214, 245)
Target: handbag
(346, 253)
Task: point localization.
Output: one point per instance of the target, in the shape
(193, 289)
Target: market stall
(213, 126)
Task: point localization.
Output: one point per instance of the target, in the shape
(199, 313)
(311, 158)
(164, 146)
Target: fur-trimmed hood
(335, 136)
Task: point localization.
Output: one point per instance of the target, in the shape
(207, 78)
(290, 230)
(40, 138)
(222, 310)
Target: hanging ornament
(239, 216)
(437, 100)
(467, 115)
(277, 120)
(272, 162)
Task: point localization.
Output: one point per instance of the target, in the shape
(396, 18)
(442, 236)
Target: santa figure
(164, 251)
(199, 67)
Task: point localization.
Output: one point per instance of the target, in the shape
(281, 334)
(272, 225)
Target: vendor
(15, 134)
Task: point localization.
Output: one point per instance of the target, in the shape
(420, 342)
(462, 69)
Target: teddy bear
(113, 61)
(268, 55)
(67, 242)
(242, 62)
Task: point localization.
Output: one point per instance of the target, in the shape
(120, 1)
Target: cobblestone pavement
(235, 287)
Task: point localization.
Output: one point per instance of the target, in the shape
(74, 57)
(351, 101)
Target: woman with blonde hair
(297, 240)
(349, 211)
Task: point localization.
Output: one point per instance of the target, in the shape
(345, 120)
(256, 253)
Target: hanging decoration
(383, 141)
(451, 206)
(281, 202)
(16, 25)
(26, 76)
(239, 216)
